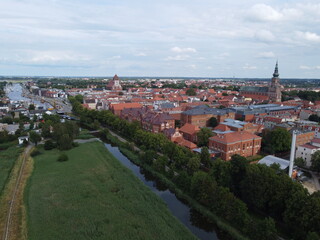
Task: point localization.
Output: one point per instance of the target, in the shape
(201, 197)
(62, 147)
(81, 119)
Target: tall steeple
(276, 73)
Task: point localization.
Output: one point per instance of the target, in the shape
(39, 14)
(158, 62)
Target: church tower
(114, 84)
(275, 87)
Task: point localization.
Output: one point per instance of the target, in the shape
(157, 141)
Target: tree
(148, 156)
(35, 137)
(314, 118)
(225, 94)
(205, 157)
(32, 107)
(238, 169)
(48, 145)
(280, 140)
(21, 126)
(315, 161)
(191, 92)
(63, 157)
(45, 129)
(312, 236)
(160, 163)
(300, 162)
(64, 142)
(79, 98)
(193, 164)
(203, 136)
(213, 122)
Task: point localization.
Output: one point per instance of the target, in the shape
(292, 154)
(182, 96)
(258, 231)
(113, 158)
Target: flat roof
(270, 159)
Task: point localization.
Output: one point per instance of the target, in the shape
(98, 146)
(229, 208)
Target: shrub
(49, 144)
(63, 157)
(75, 144)
(35, 152)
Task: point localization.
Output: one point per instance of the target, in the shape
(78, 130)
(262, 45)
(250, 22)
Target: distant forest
(305, 95)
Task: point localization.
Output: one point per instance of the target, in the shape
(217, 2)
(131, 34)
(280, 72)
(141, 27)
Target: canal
(14, 93)
(197, 224)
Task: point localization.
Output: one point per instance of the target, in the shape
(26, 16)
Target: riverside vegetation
(227, 189)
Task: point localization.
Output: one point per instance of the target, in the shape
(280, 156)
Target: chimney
(292, 153)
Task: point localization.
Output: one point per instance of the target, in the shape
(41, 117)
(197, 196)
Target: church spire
(276, 74)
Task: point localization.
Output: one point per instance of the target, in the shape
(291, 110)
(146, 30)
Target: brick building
(200, 115)
(189, 132)
(114, 84)
(243, 143)
(271, 92)
(117, 108)
(304, 137)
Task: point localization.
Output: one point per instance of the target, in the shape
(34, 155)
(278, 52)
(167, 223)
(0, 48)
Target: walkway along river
(189, 217)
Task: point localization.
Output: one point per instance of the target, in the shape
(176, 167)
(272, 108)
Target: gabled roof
(222, 128)
(234, 137)
(189, 129)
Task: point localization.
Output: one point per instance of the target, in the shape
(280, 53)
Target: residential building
(243, 143)
(200, 115)
(305, 151)
(189, 132)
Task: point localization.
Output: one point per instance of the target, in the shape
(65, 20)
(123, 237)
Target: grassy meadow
(92, 196)
(8, 158)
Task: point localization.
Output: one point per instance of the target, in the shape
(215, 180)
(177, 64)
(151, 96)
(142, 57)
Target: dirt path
(14, 226)
(87, 140)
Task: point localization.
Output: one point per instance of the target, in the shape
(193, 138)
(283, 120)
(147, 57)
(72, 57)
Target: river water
(198, 225)
(14, 93)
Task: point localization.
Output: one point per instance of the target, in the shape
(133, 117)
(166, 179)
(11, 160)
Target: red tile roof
(121, 106)
(234, 137)
(309, 146)
(222, 127)
(189, 129)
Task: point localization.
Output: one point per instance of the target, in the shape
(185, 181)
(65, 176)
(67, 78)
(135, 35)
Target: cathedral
(271, 93)
(114, 84)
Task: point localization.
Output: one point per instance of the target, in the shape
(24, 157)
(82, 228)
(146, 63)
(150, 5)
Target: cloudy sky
(200, 38)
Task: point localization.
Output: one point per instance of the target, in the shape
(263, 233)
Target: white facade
(305, 151)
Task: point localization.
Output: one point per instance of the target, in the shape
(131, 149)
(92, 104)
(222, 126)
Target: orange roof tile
(189, 129)
(234, 137)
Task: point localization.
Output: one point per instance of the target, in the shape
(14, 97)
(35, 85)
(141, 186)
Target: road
(62, 105)
(8, 223)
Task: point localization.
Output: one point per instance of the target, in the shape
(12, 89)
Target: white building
(305, 151)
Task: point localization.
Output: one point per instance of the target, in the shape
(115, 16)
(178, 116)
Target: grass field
(7, 159)
(92, 196)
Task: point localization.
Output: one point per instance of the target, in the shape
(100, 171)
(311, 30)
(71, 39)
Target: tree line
(228, 189)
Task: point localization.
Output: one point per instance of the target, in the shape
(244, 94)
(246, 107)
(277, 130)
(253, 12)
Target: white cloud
(47, 57)
(249, 67)
(183, 50)
(225, 54)
(116, 57)
(265, 12)
(141, 54)
(308, 36)
(177, 58)
(193, 66)
(264, 35)
(266, 55)
(304, 67)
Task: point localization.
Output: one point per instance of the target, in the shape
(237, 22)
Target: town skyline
(179, 39)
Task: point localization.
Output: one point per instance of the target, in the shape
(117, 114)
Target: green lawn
(92, 196)
(7, 159)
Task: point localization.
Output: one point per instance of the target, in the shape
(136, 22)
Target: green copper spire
(276, 74)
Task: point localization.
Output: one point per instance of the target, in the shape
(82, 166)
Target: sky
(165, 38)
